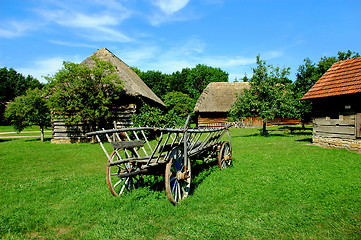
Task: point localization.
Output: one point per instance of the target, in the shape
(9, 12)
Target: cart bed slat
(127, 144)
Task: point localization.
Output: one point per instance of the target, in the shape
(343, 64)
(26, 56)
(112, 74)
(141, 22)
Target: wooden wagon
(131, 154)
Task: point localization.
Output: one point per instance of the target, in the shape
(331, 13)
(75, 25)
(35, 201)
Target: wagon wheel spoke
(177, 176)
(117, 183)
(225, 156)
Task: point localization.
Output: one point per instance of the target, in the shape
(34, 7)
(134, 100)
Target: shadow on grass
(6, 140)
(37, 139)
(309, 140)
(280, 132)
(200, 171)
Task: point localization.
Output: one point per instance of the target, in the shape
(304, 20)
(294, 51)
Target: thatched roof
(133, 85)
(219, 96)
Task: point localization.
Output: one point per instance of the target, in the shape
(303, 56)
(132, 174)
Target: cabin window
(348, 110)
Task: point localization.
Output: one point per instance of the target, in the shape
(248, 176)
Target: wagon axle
(182, 175)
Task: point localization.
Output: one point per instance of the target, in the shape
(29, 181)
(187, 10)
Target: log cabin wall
(209, 119)
(337, 122)
(71, 133)
(220, 119)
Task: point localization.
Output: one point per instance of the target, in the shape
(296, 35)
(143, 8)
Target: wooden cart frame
(131, 155)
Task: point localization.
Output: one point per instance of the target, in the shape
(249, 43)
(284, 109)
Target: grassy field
(280, 187)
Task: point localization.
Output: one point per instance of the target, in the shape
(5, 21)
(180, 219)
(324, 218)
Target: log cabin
(336, 99)
(135, 94)
(217, 98)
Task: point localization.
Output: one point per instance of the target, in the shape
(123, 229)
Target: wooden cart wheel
(117, 184)
(225, 155)
(177, 176)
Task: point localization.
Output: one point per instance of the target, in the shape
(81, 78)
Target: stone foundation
(350, 144)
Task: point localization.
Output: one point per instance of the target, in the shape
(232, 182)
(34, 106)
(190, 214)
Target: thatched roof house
(336, 98)
(136, 92)
(133, 85)
(214, 103)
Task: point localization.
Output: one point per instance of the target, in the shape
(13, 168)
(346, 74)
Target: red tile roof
(343, 77)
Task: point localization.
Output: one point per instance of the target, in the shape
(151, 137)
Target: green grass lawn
(280, 187)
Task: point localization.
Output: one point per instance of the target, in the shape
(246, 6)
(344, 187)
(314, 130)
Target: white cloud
(12, 29)
(105, 34)
(169, 11)
(170, 6)
(71, 44)
(134, 56)
(99, 26)
(228, 61)
(271, 54)
(186, 54)
(80, 20)
(42, 68)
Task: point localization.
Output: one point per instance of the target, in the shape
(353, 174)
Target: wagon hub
(227, 157)
(182, 175)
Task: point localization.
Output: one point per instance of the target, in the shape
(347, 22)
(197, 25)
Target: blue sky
(36, 36)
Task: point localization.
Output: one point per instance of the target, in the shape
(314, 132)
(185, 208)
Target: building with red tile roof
(343, 77)
(336, 99)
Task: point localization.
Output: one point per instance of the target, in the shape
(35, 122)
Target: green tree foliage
(29, 109)
(180, 90)
(13, 84)
(191, 81)
(179, 104)
(200, 76)
(150, 116)
(82, 94)
(245, 78)
(308, 74)
(155, 80)
(270, 95)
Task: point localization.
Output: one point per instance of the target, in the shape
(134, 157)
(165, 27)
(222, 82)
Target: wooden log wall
(205, 122)
(344, 127)
(249, 121)
(68, 133)
(219, 121)
(283, 121)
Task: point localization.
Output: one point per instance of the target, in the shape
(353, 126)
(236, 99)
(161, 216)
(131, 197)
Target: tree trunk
(264, 128)
(42, 134)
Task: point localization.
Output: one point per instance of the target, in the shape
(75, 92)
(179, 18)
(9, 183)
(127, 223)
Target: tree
(150, 116)
(13, 84)
(308, 74)
(199, 77)
(189, 81)
(155, 80)
(30, 109)
(179, 106)
(270, 95)
(245, 78)
(82, 94)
